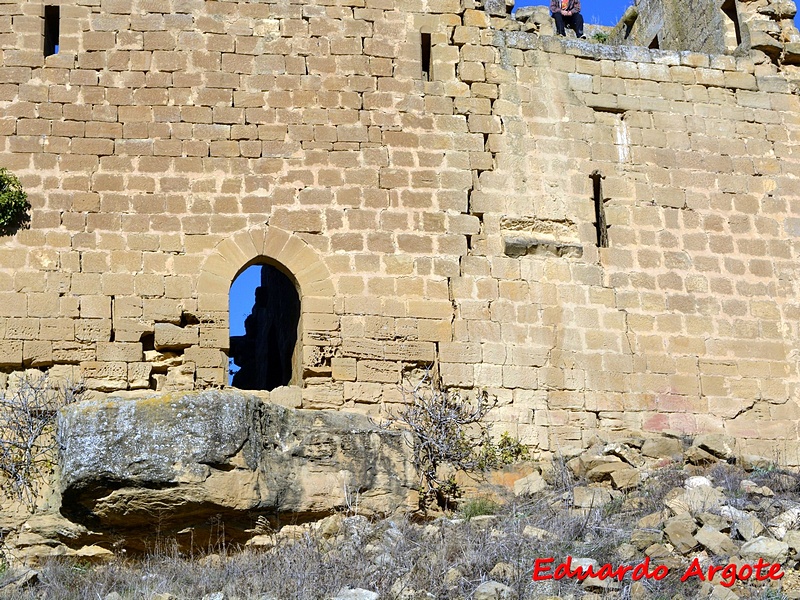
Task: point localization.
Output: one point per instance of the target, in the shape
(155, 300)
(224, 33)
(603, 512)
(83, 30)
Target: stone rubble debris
(718, 514)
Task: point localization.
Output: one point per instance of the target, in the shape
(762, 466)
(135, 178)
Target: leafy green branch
(14, 205)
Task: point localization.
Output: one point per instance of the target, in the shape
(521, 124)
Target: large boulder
(194, 464)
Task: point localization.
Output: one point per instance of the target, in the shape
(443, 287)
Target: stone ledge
(518, 245)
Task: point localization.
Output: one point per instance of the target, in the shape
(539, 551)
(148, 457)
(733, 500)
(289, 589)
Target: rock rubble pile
(683, 505)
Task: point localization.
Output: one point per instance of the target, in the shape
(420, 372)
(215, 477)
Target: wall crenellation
(442, 217)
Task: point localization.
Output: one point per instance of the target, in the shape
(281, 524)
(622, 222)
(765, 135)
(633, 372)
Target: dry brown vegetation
(445, 558)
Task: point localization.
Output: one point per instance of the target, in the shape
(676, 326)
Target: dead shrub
(450, 436)
(27, 436)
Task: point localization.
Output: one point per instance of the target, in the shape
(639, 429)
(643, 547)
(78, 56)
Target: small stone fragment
(648, 531)
(94, 554)
(715, 522)
(626, 453)
(584, 497)
(356, 594)
(784, 522)
(625, 479)
(750, 487)
(763, 547)
(747, 526)
(530, 485)
(716, 542)
(493, 590)
(536, 533)
(720, 446)
(662, 447)
(698, 456)
(639, 591)
(793, 539)
(503, 570)
(721, 592)
(679, 530)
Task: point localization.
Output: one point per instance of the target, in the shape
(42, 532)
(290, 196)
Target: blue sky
(243, 296)
(595, 12)
(241, 302)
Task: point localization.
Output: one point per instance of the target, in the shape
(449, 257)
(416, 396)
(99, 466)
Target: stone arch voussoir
(282, 249)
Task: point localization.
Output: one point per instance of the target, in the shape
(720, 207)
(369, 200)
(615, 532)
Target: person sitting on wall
(567, 13)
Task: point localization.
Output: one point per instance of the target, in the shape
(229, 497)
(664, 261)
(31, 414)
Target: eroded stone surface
(224, 455)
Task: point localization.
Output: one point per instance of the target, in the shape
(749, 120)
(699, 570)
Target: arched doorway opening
(263, 338)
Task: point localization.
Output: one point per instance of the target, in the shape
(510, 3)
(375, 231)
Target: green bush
(477, 507)
(506, 451)
(14, 205)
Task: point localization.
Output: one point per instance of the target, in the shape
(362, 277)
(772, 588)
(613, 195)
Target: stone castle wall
(712, 26)
(442, 218)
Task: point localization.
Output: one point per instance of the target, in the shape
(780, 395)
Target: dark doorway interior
(264, 354)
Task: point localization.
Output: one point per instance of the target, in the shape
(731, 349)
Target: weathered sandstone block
(226, 456)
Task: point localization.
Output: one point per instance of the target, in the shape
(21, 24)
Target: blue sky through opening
(242, 298)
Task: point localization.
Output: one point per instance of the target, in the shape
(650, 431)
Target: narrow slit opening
(425, 55)
(629, 20)
(52, 27)
(599, 210)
